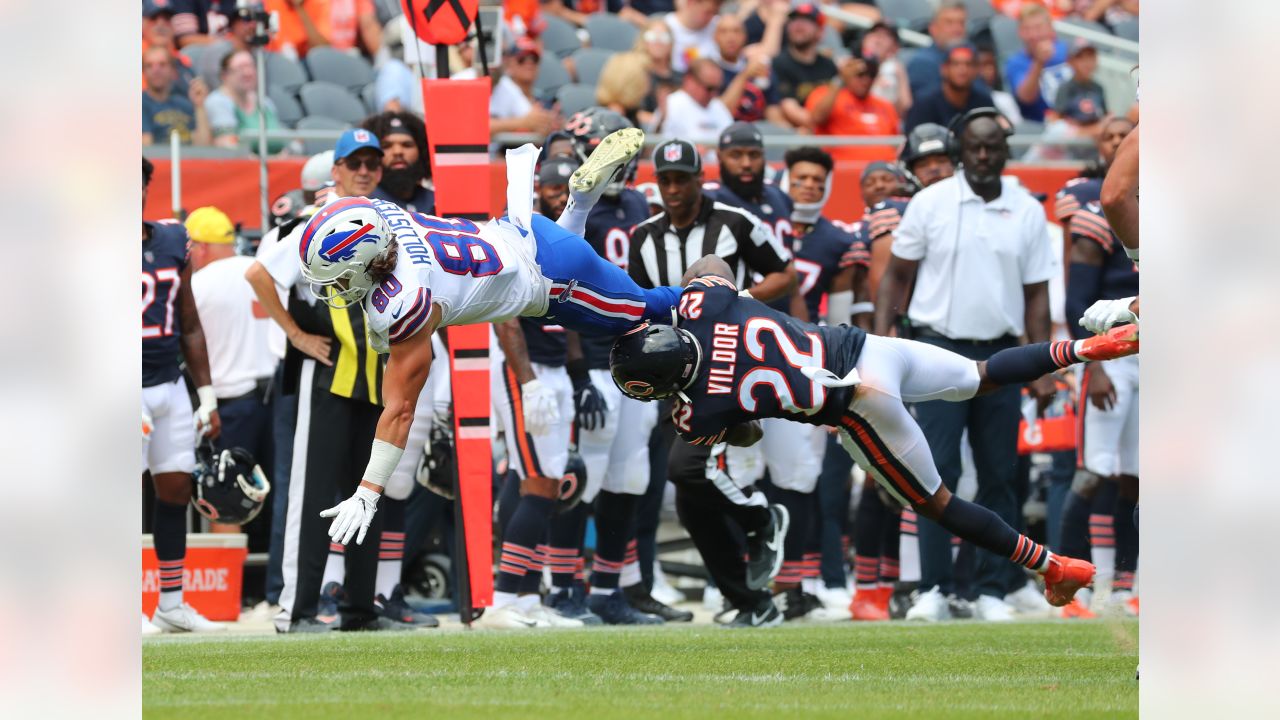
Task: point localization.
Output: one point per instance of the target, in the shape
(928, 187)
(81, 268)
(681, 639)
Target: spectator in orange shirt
(845, 106)
(341, 24)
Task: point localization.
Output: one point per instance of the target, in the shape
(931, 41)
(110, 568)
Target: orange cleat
(883, 594)
(1076, 609)
(1064, 577)
(1120, 341)
(1131, 606)
(866, 606)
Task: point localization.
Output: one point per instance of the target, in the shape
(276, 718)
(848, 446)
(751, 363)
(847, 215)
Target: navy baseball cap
(152, 8)
(353, 140)
(676, 155)
(741, 134)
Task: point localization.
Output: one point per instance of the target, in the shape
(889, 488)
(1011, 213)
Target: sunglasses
(354, 164)
(527, 59)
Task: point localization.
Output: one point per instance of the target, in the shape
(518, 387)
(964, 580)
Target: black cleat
(396, 608)
(641, 600)
(761, 617)
(307, 625)
(796, 603)
(614, 609)
(764, 549)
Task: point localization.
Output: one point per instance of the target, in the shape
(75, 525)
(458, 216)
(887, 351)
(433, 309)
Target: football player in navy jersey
(730, 361)
(742, 185)
(617, 462)
(1087, 188)
(1107, 449)
(171, 328)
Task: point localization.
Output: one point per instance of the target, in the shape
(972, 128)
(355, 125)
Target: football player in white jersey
(415, 273)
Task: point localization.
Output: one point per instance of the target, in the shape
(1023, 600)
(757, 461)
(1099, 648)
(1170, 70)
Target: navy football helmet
(652, 362)
(588, 127)
(230, 487)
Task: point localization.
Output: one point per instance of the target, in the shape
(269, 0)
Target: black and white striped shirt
(660, 254)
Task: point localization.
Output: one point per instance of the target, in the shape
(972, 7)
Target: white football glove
(1102, 315)
(204, 413)
(540, 408)
(351, 515)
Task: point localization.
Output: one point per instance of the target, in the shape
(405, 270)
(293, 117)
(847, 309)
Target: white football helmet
(338, 244)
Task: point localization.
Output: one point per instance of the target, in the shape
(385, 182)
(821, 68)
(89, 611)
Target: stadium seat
(913, 14)
(590, 63)
(831, 41)
(574, 97)
(287, 108)
(551, 75)
(285, 73)
(559, 38)
(980, 10)
(331, 101)
(369, 95)
(611, 32)
(208, 63)
(1088, 25)
(314, 122)
(387, 9)
(1127, 29)
(339, 68)
(1004, 33)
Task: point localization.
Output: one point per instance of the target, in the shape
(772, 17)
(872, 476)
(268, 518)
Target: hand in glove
(540, 408)
(352, 515)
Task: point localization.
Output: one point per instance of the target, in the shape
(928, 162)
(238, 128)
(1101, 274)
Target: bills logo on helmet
(341, 246)
(673, 152)
(638, 388)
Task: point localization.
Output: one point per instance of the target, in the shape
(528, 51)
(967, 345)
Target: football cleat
(1077, 610)
(398, 609)
(992, 609)
(572, 603)
(306, 625)
(148, 628)
(642, 600)
(866, 606)
(547, 617)
(764, 549)
(609, 159)
(1064, 577)
(327, 608)
(930, 606)
(796, 604)
(614, 609)
(760, 617)
(1028, 602)
(506, 617)
(184, 618)
(1120, 341)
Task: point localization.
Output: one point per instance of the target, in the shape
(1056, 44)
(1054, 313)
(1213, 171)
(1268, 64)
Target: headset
(956, 128)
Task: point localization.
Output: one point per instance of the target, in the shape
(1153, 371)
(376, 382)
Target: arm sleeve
(909, 240)
(1037, 258)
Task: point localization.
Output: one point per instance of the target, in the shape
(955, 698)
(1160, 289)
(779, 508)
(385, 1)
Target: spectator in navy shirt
(956, 95)
(748, 90)
(164, 110)
(1036, 71)
(946, 29)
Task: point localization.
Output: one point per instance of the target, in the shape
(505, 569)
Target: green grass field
(954, 670)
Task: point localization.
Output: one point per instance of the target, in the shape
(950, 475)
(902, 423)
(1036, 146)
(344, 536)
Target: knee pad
(1085, 483)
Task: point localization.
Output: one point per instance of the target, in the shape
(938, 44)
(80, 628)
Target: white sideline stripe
(456, 159)
(297, 484)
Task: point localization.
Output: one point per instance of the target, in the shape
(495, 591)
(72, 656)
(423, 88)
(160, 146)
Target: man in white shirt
(978, 252)
(693, 27)
(695, 112)
(235, 328)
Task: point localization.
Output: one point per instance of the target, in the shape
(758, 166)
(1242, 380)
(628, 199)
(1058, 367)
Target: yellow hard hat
(210, 225)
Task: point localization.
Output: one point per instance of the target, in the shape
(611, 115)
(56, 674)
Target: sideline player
(416, 273)
(1119, 198)
(732, 360)
(171, 326)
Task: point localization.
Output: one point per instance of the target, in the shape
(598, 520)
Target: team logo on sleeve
(341, 246)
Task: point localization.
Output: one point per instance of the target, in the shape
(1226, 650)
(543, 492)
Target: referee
(338, 378)
(662, 249)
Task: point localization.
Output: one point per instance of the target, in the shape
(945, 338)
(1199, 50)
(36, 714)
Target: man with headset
(977, 250)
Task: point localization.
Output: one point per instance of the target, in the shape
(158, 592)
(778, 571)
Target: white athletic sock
(170, 600)
(503, 599)
(574, 217)
(388, 577)
(335, 569)
(602, 591)
(630, 575)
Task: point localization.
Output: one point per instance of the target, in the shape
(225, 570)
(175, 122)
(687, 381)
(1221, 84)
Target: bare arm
(194, 350)
(1119, 194)
(402, 383)
(1036, 301)
(511, 340)
(370, 33)
(1028, 90)
(264, 287)
(314, 36)
(795, 113)
(775, 284)
(861, 293)
(732, 94)
(892, 298)
(822, 109)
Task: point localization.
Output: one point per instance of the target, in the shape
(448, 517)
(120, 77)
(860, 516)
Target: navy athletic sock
(390, 547)
(1026, 363)
(868, 538)
(889, 548)
(615, 522)
(564, 545)
(985, 529)
(1126, 543)
(508, 499)
(520, 538)
(799, 507)
(169, 523)
(1075, 526)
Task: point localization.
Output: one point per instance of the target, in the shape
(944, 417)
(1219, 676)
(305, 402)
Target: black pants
(992, 421)
(715, 520)
(338, 436)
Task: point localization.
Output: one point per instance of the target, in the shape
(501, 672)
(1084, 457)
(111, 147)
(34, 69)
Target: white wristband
(383, 459)
(208, 400)
(1131, 252)
(746, 294)
(862, 307)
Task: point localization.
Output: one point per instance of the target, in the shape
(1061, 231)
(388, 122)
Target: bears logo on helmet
(637, 388)
(573, 483)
